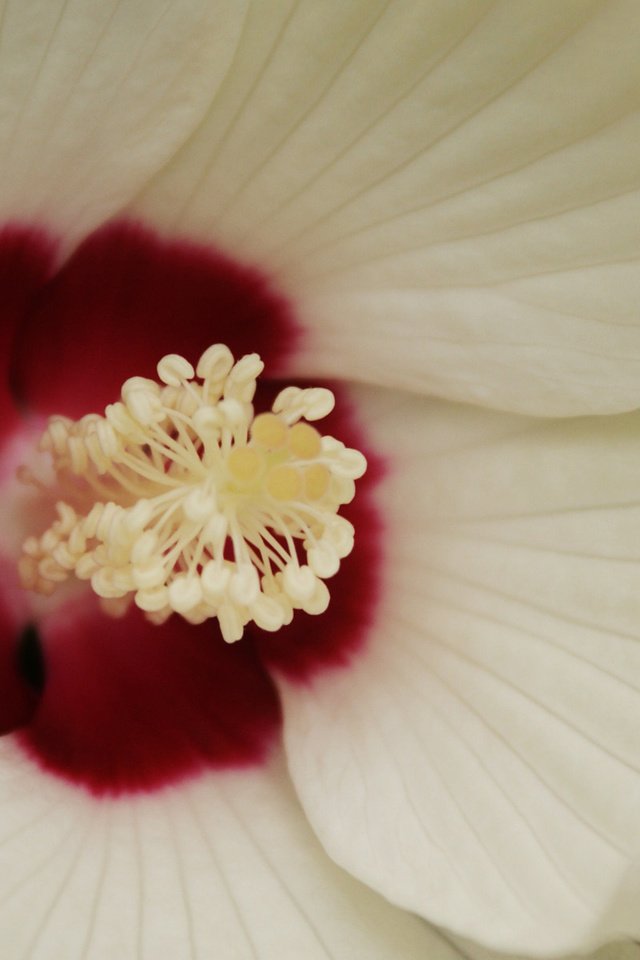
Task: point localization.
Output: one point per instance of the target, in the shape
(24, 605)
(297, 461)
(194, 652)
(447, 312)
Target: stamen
(182, 500)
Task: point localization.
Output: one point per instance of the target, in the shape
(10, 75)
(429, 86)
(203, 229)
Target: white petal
(619, 950)
(96, 95)
(448, 192)
(479, 763)
(224, 867)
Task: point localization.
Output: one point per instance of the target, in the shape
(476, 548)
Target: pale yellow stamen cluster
(181, 499)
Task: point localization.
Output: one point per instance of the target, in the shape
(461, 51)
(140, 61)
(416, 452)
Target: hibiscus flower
(429, 207)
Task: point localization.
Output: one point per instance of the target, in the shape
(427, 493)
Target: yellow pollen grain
(283, 482)
(269, 431)
(304, 441)
(245, 464)
(316, 481)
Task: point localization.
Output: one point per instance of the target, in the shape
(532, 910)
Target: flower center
(180, 499)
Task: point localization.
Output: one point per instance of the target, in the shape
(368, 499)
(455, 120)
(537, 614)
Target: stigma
(181, 500)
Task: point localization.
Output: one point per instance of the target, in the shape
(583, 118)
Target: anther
(182, 500)
(174, 370)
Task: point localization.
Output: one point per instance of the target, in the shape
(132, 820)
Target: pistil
(181, 500)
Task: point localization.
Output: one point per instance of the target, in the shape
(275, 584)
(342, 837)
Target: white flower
(443, 198)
